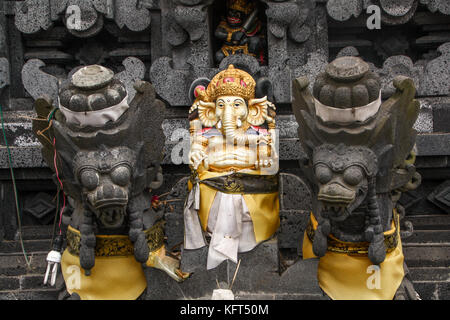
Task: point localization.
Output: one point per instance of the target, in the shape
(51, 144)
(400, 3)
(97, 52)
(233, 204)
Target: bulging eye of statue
(353, 175)
(323, 174)
(89, 179)
(220, 104)
(121, 175)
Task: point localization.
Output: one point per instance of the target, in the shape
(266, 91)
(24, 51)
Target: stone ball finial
(92, 88)
(347, 68)
(346, 83)
(92, 77)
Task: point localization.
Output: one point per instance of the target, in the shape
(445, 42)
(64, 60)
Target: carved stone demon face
(105, 176)
(342, 175)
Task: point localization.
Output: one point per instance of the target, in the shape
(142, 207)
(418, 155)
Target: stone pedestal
(258, 277)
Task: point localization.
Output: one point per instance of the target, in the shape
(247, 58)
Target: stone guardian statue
(360, 157)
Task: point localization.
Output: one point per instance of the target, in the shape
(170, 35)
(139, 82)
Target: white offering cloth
(97, 118)
(347, 115)
(229, 224)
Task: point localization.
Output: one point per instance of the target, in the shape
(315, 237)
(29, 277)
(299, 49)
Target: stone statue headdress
(245, 6)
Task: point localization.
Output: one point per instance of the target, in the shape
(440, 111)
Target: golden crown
(232, 82)
(245, 6)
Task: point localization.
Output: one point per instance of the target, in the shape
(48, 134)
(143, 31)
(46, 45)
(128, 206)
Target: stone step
(15, 265)
(34, 294)
(31, 246)
(439, 274)
(429, 222)
(23, 282)
(257, 273)
(278, 296)
(432, 290)
(429, 237)
(427, 256)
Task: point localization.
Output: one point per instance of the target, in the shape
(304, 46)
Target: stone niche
(296, 38)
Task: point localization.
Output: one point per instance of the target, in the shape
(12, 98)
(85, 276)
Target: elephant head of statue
(229, 104)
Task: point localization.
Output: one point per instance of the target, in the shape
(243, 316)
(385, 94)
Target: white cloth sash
(97, 118)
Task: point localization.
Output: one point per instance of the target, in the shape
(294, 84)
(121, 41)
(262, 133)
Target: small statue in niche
(106, 154)
(233, 195)
(360, 155)
(241, 31)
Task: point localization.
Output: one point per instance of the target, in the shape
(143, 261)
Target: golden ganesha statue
(233, 201)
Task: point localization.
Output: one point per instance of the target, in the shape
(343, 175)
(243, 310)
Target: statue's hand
(196, 157)
(238, 37)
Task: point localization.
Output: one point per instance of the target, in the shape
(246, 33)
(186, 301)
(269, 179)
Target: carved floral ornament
(393, 11)
(430, 77)
(82, 17)
(288, 17)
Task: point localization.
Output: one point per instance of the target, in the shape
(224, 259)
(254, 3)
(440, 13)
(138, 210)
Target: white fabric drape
(347, 115)
(97, 118)
(229, 224)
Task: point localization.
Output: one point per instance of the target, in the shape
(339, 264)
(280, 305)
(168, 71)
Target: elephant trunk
(229, 126)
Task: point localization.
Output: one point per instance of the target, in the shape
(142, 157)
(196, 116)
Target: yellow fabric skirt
(112, 278)
(115, 277)
(352, 277)
(264, 208)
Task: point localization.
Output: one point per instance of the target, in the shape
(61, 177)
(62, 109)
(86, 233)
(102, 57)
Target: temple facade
(172, 44)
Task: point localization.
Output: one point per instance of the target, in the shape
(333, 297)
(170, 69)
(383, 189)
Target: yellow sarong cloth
(264, 208)
(348, 277)
(112, 277)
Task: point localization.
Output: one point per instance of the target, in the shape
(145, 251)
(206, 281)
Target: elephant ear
(257, 111)
(207, 113)
(197, 87)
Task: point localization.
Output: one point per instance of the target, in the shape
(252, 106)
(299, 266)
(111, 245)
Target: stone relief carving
(430, 76)
(436, 75)
(290, 25)
(134, 71)
(395, 66)
(34, 15)
(290, 18)
(393, 12)
(342, 10)
(183, 20)
(37, 82)
(437, 5)
(397, 11)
